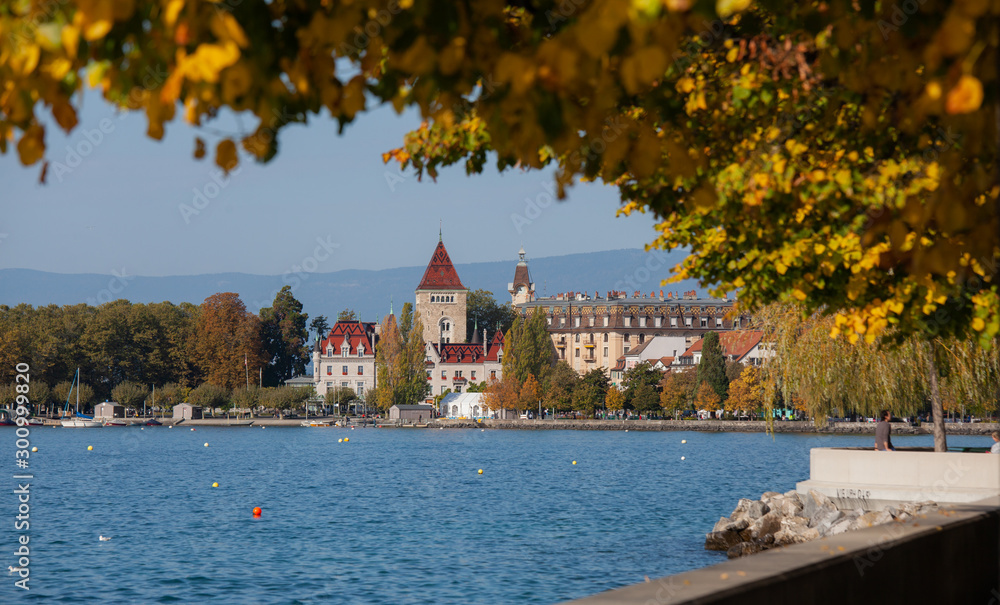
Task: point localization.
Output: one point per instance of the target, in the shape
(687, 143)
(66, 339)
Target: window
(458, 373)
(345, 384)
(444, 374)
(345, 370)
(658, 321)
(627, 337)
(673, 322)
(642, 322)
(329, 384)
(329, 370)
(493, 374)
(443, 389)
(361, 350)
(562, 322)
(361, 370)
(576, 322)
(548, 321)
(428, 374)
(605, 337)
(361, 389)
(628, 322)
(626, 350)
(642, 338)
(578, 352)
(345, 350)
(605, 322)
(605, 351)
(704, 322)
(329, 351)
(473, 375)
(577, 338)
(458, 388)
(718, 322)
(687, 321)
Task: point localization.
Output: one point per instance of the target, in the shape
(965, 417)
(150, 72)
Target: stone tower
(441, 300)
(521, 289)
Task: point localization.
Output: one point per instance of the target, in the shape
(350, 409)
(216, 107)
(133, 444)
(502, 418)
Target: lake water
(392, 516)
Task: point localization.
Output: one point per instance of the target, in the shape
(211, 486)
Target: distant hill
(367, 292)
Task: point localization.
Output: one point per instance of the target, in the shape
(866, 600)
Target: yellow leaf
(978, 324)
(685, 85)
(799, 294)
(208, 60)
(31, 147)
(172, 11)
(70, 36)
(98, 20)
(25, 59)
(227, 29)
(780, 267)
(225, 155)
(726, 8)
(732, 54)
(966, 96)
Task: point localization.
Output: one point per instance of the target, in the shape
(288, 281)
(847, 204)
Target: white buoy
(103, 538)
(682, 457)
(684, 440)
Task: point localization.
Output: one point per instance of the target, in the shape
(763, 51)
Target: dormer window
(345, 349)
(329, 351)
(361, 350)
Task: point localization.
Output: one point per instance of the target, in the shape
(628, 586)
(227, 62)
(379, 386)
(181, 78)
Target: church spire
(440, 228)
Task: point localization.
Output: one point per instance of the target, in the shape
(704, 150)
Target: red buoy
(256, 511)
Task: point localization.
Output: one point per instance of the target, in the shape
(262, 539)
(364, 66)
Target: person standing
(883, 442)
(996, 443)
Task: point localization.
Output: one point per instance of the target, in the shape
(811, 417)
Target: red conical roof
(440, 273)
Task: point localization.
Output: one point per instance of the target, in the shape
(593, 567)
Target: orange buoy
(256, 511)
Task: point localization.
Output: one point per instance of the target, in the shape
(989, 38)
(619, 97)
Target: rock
(791, 507)
(840, 526)
(741, 509)
(743, 549)
(768, 524)
(722, 523)
(810, 534)
(721, 540)
(871, 519)
(815, 501)
(825, 519)
(736, 526)
(757, 510)
(766, 497)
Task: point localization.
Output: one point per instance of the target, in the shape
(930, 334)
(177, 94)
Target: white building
(346, 358)
(463, 405)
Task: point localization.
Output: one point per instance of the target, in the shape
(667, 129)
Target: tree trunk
(940, 439)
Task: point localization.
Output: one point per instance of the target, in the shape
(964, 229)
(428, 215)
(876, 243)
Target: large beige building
(596, 332)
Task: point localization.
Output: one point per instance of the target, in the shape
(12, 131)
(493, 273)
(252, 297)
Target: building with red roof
(441, 299)
(744, 346)
(346, 358)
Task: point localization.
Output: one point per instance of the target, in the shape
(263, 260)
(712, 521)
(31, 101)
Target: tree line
(122, 348)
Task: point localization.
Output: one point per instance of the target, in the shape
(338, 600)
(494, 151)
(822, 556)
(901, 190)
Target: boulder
(871, 519)
(743, 549)
(757, 510)
(736, 526)
(768, 524)
(840, 526)
(814, 502)
(824, 520)
(766, 497)
(791, 507)
(722, 523)
(741, 509)
(721, 540)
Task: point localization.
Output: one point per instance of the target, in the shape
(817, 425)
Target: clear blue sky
(120, 207)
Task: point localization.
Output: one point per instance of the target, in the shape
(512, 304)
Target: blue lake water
(392, 516)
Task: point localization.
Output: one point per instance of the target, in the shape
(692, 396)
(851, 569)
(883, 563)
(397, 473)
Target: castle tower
(441, 300)
(521, 289)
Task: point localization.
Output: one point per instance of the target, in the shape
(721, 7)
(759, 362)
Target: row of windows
(360, 388)
(329, 370)
(657, 322)
(458, 374)
(443, 298)
(345, 351)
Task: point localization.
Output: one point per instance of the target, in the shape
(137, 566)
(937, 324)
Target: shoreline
(711, 426)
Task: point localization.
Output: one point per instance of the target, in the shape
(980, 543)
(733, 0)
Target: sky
(124, 202)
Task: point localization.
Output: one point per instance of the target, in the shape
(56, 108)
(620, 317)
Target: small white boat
(79, 421)
(314, 423)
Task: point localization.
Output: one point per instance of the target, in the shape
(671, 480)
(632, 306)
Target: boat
(79, 421)
(150, 422)
(315, 423)
(116, 422)
(5, 418)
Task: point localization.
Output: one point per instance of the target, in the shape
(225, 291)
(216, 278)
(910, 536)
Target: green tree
(65, 394)
(210, 396)
(412, 370)
(482, 310)
(320, 326)
(560, 386)
(646, 399)
(640, 374)
(527, 348)
(169, 395)
(387, 354)
(590, 391)
(246, 399)
(283, 326)
(347, 315)
(712, 367)
(734, 369)
(339, 397)
(130, 394)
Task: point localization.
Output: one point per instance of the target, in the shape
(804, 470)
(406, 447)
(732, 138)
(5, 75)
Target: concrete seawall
(718, 426)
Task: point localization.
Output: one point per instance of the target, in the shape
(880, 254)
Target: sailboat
(79, 421)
